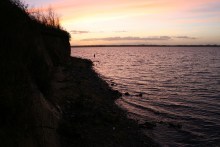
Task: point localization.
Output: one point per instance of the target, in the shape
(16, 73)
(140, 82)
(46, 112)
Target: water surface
(180, 89)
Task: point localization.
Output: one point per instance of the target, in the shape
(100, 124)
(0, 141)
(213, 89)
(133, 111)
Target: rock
(140, 95)
(127, 94)
(113, 84)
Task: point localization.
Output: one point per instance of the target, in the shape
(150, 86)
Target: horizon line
(144, 45)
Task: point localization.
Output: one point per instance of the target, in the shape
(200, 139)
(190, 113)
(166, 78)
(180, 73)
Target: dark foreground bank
(89, 114)
(47, 98)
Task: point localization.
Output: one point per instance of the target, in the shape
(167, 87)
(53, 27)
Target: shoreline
(49, 99)
(90, 116)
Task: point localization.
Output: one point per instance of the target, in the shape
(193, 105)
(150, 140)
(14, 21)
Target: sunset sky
(137, 21)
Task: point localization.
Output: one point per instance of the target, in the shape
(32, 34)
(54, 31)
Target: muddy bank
(89, 114)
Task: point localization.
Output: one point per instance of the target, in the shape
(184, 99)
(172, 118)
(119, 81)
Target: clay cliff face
(29, 52)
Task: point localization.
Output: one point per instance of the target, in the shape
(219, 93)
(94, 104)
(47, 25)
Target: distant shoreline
(80, 46)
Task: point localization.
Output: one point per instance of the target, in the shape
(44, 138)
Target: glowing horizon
(107, 22)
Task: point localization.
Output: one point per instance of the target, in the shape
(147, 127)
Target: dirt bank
(90, 116)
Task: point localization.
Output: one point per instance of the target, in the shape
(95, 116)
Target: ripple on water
(179, 85)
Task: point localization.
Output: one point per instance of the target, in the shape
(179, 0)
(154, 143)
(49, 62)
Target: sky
(107, 22)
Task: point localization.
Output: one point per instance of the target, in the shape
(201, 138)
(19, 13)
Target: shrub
(48, 18)
(20, 4)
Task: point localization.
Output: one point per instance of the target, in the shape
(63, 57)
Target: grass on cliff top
(48, 21)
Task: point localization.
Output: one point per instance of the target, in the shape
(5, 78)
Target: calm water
(180, 86)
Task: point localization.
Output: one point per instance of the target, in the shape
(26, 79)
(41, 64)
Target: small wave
(156, 111)
(178, 84)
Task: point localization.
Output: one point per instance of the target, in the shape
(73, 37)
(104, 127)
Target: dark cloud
(129, 38)
(79, 32)
(185, 37)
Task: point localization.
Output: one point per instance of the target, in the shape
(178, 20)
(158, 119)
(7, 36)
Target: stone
(127, 94)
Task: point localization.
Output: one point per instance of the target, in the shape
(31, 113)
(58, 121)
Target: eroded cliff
(29, 53)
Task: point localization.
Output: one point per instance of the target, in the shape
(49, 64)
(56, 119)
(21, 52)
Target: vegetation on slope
(27, 56)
